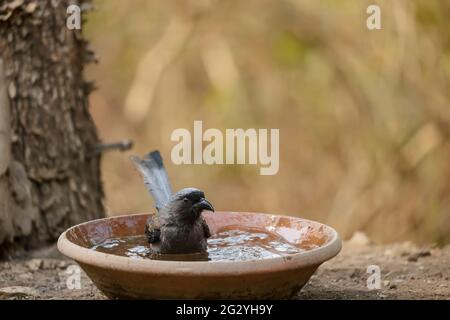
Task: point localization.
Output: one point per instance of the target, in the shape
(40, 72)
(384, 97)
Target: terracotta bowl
(276, 278)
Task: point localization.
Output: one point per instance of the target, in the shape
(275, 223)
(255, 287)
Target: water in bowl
(231, 244)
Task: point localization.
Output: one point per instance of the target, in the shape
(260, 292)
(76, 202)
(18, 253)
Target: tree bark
(49, 174)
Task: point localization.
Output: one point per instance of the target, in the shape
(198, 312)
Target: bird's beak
(205, 205)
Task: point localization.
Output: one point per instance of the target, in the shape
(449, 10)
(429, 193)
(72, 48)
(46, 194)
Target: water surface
(231, 244)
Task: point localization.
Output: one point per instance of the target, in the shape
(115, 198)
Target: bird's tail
(155, 177)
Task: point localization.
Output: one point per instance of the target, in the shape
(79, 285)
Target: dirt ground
(407, 272)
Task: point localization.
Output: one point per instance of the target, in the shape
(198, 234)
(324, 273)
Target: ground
(407, 272)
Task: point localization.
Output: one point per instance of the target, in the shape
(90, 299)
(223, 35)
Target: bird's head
(189, 203)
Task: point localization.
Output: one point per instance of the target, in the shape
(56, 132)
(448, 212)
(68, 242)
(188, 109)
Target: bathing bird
(178, 226)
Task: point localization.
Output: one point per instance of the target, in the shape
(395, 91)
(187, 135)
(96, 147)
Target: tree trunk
(49, 174)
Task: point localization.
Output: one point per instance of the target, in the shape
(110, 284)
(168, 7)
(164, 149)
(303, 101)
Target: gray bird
(178, 226)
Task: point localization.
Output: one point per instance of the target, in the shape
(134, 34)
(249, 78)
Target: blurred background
(364, 116)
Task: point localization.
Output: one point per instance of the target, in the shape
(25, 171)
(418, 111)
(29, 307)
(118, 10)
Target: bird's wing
(206, 230)
(153, 229)
(155, 177)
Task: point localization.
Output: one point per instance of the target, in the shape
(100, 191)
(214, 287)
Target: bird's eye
(185, 199)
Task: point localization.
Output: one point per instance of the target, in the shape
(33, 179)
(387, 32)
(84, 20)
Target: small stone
(34, 264)
(355, 274)
(359, 239)
(62, 264)
(5, 266)
(420, 254)
(26, 276)
(31, 7)
(17, 292)
(12, 91)
(49, 264)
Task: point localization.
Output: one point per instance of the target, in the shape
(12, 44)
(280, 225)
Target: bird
(178, 226)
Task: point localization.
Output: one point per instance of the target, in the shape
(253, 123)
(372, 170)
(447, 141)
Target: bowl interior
(303, 233)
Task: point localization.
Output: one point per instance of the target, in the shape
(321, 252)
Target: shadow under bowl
(272, 278)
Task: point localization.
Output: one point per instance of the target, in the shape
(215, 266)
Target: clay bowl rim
(102, 260)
